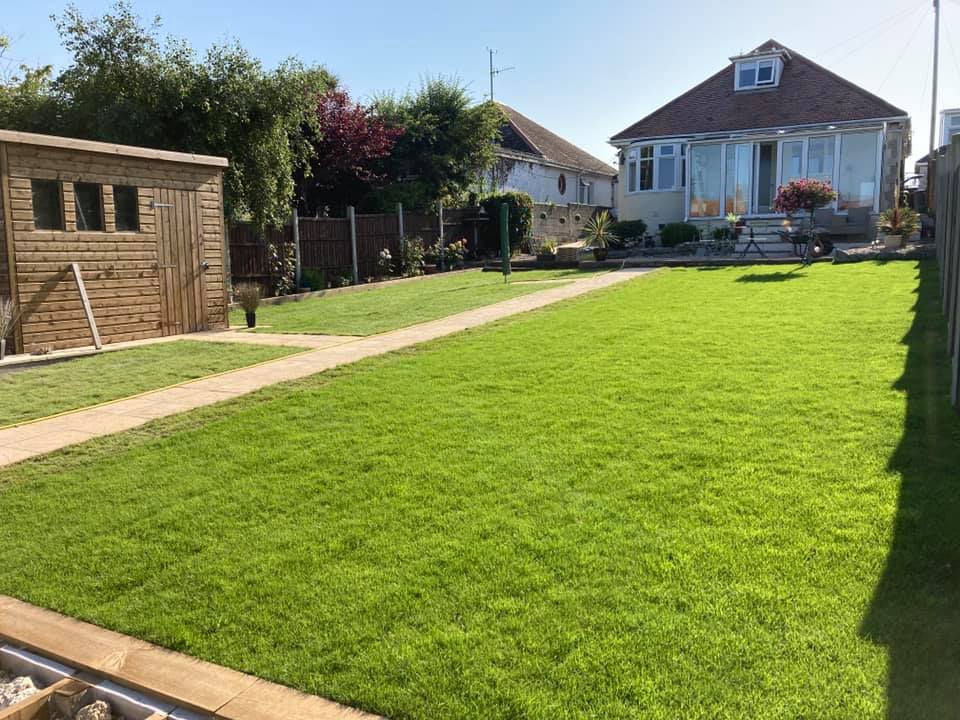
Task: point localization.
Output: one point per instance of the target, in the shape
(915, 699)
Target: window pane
(820, 158)
(646, 174)
(748, 75)
(126, 213)
(705, 180)
(766, 176)
(739, 176)
(666, 173)
(89, 208)
(47, 207)
(858, 170)
(665, 150)
(646, 151)
(792, 168)
(765, 72)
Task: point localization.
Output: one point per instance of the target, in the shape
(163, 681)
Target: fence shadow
(770, 277)
(915, 609)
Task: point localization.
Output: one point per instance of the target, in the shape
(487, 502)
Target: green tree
(447, 143)
(125, 85)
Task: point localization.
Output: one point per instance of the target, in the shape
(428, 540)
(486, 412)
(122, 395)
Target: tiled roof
(521, 134)
(808, 94)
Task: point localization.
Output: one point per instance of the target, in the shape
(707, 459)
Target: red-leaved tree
(350, 146)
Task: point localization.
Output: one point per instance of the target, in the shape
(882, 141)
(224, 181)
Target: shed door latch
(155, 204)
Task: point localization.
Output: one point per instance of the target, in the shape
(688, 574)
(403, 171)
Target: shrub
(314, 279)
(385, 262)
(628, 232)
(548, 247)
(411, 256)
(673, 234)
(597, 232)
(902, 221)
(247, 296)
(520, 221)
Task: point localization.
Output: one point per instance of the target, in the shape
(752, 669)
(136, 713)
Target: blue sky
(584, 70)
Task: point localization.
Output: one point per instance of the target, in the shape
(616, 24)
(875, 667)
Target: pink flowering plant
(804, 194)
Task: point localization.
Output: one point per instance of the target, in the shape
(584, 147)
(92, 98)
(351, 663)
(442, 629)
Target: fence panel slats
(947, 194)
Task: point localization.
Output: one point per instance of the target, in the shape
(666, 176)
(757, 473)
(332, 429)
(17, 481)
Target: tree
(349, 148)
(447, 144)
(124, 85)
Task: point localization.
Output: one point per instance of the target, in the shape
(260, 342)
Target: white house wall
(542, 183)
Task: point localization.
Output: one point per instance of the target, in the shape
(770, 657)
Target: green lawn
(726, 493)
(44, 390)
(401, 304)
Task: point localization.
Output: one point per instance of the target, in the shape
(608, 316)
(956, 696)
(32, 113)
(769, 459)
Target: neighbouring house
(143, 229)
(534, 160)
(949, 126)
(768, 117)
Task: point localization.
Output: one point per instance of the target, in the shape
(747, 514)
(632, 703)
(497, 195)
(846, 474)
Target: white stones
(98, 710)
(15, 689)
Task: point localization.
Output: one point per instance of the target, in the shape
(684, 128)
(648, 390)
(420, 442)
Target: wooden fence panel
(947, 193)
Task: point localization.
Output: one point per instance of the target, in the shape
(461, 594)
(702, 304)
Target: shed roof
(521, 134)
(808, 94)
(64, 143)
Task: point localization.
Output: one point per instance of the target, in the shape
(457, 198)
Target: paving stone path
(325, 352)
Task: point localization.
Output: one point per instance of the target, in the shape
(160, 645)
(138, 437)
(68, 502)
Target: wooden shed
(109, 240)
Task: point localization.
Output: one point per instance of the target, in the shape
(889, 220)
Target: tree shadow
(770, 277)
(915, 609)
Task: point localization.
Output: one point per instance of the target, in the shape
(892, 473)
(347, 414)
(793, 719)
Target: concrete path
(44, 436)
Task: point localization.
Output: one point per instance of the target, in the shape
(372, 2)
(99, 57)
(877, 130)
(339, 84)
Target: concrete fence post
(298, 267)
(352, 217)
(440, 226)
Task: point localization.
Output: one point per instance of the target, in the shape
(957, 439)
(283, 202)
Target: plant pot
(3, 348)
(251, 319)
(891, 242)
(599, 254)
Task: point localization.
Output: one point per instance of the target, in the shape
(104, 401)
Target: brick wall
(562, 223)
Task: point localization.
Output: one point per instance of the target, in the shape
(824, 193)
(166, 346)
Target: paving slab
(325, 352)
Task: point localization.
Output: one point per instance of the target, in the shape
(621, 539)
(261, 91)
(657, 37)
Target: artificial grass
(42, 390)
(719, 493)
(397, 305)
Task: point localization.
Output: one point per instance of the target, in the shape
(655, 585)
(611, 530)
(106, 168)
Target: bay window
(656, 167)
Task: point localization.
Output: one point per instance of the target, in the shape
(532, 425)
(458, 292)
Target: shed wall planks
(128, 289)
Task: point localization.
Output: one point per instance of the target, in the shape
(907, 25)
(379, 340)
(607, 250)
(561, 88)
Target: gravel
(15, 689)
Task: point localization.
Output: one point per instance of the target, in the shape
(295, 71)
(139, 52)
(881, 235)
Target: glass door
(739, 178)
(766, 177)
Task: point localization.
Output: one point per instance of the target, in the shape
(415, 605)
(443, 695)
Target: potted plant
(248, 297)
(896, 225)
(598, 234)
(547, 251)
(736, 223)
(804, 194)
(9, 314)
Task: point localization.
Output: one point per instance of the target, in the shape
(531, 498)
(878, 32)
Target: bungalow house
(534, 160)
(768, 117)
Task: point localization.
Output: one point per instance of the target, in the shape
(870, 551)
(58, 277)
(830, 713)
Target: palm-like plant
(9, 314)
(598, 231)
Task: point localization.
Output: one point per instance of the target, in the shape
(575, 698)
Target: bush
(247, 296)
(520, 221)
(673, 234)
(548, 247)
(313, 279)
(385, 262)
(411, 256)
(629, 232)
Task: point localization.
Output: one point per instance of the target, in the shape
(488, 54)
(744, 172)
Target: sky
(583, 70)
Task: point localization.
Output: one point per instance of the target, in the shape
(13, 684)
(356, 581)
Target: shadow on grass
(770, 277)
(915, 610)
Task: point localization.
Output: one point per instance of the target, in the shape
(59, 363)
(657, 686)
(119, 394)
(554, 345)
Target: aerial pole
(936, 60)
(494, 71)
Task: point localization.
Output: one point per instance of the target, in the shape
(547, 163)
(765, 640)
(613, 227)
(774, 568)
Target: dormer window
(752, 74)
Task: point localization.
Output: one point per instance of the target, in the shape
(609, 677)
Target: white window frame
(772, 63)
(805, 140)
(677, 152)
(583, 196)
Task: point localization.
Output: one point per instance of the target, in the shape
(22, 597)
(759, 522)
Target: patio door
(180, 254)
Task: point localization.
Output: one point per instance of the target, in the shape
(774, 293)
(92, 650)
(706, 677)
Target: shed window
(89, 206)
(125, 208)
(47, 205)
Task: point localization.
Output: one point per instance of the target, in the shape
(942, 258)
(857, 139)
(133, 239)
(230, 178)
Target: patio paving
(325, 352)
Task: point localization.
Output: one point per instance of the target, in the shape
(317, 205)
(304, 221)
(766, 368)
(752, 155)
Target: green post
(505, 239)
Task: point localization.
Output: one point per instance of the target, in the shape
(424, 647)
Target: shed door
(180, 239)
